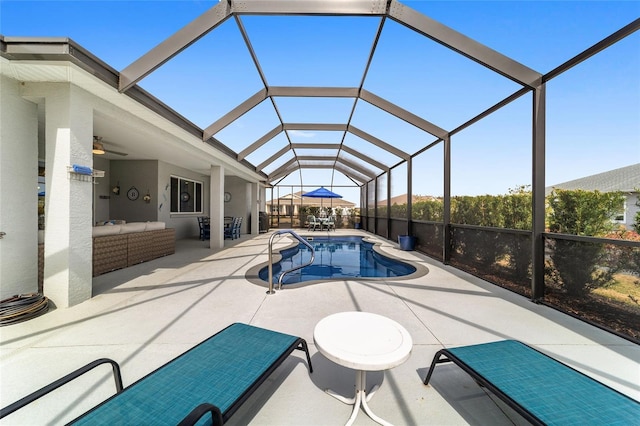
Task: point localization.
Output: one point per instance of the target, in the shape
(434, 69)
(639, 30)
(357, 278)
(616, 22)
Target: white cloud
(301, 133)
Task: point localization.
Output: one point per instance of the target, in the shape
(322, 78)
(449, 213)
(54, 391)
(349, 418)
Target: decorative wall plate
(133, 193)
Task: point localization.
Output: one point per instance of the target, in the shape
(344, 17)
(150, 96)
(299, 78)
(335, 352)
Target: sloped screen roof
(321, 92)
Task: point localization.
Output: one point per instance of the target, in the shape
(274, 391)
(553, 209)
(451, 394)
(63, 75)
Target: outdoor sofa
(117, 245)
(120, 245)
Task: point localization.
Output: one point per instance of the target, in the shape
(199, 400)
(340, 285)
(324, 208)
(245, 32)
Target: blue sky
(593, 121)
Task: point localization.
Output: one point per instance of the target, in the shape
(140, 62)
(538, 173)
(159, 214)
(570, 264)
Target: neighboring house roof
(402, 199)
(625, 179)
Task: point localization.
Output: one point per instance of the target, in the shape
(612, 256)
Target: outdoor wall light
(116, 189)
(147, 197)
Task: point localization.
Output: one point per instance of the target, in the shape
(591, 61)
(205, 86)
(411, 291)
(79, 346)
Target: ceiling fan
(99, 149)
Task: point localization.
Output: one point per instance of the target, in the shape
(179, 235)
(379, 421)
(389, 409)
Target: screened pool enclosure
(429, 130)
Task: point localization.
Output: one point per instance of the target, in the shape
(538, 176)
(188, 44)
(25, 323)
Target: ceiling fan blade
(98, 143)
(115, 152)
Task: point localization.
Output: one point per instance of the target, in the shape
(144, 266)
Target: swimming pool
(341, 257)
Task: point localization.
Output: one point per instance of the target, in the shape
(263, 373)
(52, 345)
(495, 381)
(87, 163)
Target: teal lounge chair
(543, 390)
(211, 380)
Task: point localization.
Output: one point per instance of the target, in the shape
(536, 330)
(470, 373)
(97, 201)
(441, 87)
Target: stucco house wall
(18, 196)
(51, 109)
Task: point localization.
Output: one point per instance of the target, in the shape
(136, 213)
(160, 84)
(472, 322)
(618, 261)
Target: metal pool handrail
(299, 238)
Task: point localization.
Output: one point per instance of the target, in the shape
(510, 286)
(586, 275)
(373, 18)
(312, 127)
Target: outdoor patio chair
(314, 223)
(212, 379)
(233, 230)
(228, 229)
(237, 225)
(331, 223)
(540, 388)
(205, 228)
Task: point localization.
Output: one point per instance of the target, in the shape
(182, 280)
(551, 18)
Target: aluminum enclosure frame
(381, 9)
(529, 80)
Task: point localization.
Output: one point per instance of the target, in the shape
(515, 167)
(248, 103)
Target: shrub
(636, 219)
(432, 210)
(588, 213)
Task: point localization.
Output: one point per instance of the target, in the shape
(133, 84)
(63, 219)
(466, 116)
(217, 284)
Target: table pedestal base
(361, 398)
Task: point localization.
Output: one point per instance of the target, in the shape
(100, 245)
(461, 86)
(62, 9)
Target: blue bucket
(406, 242)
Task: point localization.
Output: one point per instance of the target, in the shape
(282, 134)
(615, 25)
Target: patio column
(409, 196)
(68, 200)
(375, 207)
(538, 189)
(364, 206)
(388, 204)
(254, 203)
(446, 214)
(216, 207)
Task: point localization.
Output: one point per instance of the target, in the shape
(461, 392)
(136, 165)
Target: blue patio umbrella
(321, 193)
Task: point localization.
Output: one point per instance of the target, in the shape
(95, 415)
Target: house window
(186, 195)
(619, 216)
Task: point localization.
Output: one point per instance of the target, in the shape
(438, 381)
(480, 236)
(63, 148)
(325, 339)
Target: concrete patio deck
(145, 315)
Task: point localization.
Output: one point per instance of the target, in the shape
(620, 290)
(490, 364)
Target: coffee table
(364, 342)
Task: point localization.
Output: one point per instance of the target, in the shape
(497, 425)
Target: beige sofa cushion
(128, 228)
(154, 226)
(99, 231)
(111, 222)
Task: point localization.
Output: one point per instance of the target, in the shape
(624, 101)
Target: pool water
(336, 258)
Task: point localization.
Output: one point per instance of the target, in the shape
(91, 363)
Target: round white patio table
(365, 342)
